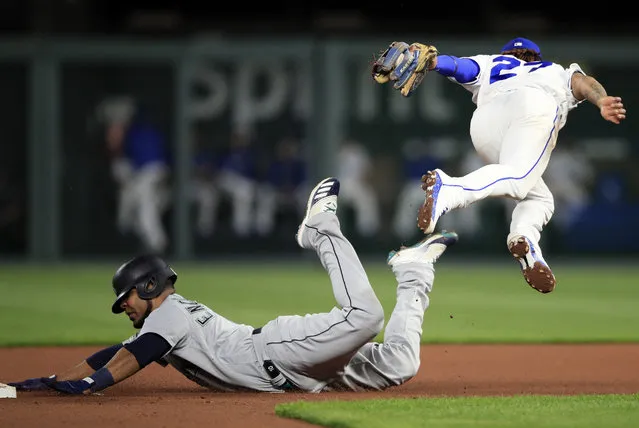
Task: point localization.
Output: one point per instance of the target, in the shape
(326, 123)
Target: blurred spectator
(236, 178)
(205, 195)
(418, 156)
(284, 185)
(612, 189)
(569, 177)
(356, 191)
(140, 166)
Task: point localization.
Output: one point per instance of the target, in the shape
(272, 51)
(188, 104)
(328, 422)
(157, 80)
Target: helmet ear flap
(150, 288)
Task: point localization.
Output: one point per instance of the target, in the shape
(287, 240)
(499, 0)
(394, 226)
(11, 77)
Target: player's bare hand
(612, 109)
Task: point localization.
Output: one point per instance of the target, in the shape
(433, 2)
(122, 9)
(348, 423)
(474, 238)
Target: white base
(7, 391)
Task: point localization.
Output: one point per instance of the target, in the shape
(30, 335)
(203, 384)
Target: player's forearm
(126, 360)
(91, 364)
(120, 367)
(588, 88)
(78, 372)
(123, 365)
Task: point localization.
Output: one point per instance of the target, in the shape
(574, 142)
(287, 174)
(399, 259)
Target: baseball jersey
(145, 145)
(206, 347)
(505, 73)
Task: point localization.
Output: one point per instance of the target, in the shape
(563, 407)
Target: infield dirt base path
(161, 397)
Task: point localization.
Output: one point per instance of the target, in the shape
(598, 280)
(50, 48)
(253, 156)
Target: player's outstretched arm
(128, 360)
(91, 364)
(80, 371)
(121, 366)
(588, 88)
(406, 66)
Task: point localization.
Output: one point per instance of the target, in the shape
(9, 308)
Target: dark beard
(140, 323)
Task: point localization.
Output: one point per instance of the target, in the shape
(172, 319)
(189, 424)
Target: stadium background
(305, 68)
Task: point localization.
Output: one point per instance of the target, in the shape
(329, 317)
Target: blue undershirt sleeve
(464, 70)
(147, 348)
(100, 358)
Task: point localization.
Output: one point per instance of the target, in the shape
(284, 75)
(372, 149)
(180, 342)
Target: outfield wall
(316, 92)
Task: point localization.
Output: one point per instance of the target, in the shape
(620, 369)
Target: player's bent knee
(520, 189)
(377, 319)
(520, 182)
(370, 318)
(549, 204)
(412, 366)
(406, 367)
(408, 374)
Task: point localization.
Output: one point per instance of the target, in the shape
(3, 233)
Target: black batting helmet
(148, 274)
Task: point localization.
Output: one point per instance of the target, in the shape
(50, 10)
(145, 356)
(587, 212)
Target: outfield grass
(590, 411)
(70, 304)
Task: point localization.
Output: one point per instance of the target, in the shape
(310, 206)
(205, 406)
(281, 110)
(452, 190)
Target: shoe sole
(446, 238)
(309, 203)
(537, 275)
(425, 213)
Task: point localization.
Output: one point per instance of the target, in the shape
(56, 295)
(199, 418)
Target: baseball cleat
(536, 271)
(427, 250)
(323, 198)
(432, 208)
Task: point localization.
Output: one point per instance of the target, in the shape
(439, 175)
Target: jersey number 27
(505, 67)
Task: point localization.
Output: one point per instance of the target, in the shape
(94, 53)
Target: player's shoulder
(558, 64)
(483, 61)
(172, 305)
(178, 303)
(481, 58)
(558, 69)
(575, 68)
(169, 313)
(131, 338)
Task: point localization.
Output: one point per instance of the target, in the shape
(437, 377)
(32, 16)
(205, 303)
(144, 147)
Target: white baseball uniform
(314, 352)
(521, 106)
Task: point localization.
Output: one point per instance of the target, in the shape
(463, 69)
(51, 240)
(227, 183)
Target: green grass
(70, 304)
(595, 411)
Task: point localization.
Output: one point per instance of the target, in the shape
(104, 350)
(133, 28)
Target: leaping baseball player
(522, 103)
(312, 353)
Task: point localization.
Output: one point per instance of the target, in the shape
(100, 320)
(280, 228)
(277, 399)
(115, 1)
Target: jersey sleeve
(572, 69)
(130, 339)
(168, 322)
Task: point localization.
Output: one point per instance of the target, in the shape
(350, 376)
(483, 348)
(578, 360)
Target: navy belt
(277, 378)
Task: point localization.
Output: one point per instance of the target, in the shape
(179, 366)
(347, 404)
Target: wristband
(100, 380)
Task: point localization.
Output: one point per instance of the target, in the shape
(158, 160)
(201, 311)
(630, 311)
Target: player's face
(135, 308)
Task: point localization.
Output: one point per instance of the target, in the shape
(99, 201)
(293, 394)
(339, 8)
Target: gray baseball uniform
(314, 352)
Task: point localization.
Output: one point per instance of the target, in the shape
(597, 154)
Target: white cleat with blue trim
(536, 271)
(433, 207)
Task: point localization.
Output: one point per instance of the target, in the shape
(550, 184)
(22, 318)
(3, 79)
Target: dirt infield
(161, 397)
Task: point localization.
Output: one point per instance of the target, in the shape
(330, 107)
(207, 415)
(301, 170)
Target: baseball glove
(404, 64)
